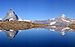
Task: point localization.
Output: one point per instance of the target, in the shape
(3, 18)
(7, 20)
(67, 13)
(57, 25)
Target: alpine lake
(35, 36)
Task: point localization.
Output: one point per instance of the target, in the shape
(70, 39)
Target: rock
(10, 16)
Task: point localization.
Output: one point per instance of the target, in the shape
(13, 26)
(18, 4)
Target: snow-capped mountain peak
(63, 16)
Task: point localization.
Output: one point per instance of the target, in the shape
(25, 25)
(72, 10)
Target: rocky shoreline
(19, 25)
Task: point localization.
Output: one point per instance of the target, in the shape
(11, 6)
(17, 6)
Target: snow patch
(52, 23)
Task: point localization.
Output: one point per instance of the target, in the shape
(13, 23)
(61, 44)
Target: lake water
(38, 37)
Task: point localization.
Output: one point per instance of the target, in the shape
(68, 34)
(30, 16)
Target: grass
(19, 25)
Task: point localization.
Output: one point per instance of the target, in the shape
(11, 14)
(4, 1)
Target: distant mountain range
(59, 21)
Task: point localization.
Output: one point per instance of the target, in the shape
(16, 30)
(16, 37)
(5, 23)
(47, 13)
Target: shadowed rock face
(10, 16)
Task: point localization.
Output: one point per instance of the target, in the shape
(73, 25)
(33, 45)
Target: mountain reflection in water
(12, 33)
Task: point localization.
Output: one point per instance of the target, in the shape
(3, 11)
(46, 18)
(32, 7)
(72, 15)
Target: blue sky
(38, 9)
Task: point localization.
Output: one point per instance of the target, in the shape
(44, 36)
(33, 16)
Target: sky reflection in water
(36, 37)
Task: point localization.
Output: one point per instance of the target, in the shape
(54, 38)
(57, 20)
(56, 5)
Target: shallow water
(38, 37)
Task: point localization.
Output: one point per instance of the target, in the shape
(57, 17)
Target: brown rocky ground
(72, 26)
(19, 25)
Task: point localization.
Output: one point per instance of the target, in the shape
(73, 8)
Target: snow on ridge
(52, 23)
(0, 18)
